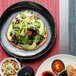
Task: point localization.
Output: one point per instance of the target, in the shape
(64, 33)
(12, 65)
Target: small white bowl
(9, 58)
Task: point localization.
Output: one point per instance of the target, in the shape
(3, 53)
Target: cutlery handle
(26, 0)
(20, 60)
(0, 30)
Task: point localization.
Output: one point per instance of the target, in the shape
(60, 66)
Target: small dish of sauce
(48, 73)
(26, 71)
(63, 73)
(57, 66)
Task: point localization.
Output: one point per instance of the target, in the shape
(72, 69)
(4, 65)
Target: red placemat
(53, 7)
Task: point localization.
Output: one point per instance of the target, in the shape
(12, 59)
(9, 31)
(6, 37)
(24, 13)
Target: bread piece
(70, 71)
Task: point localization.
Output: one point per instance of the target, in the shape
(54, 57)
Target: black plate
(11, 13)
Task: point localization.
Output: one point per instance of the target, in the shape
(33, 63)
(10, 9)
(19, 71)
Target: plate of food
(12, 67)
(27, 30)
(58, 65)
(9, 67)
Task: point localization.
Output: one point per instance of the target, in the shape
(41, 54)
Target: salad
(27, 31)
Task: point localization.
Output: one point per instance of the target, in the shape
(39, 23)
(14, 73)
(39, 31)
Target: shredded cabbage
(21, 26)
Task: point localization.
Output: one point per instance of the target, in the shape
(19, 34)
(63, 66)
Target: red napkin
(53, 7)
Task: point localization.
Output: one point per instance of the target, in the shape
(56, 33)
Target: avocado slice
(41, 29)
(9, 31)
(29, 47)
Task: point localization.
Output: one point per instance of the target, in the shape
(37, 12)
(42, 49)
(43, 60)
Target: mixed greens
(26, 30)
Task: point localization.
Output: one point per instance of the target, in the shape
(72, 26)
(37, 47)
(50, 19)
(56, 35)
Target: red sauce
(58, 66)
(48, 73)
